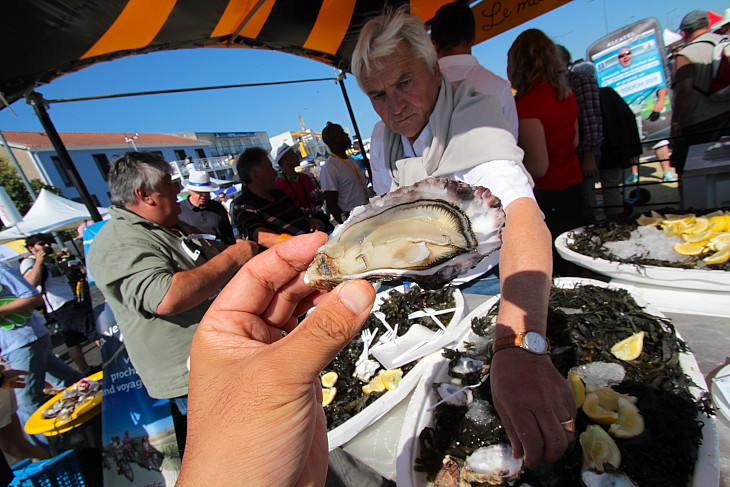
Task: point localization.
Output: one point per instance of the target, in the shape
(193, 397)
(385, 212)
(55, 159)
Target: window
(102, 162)
(200, 153)
(180, 155)
(61, 170)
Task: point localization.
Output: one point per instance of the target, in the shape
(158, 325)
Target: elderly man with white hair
(435, 128)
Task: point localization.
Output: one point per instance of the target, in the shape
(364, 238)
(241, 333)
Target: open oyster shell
(427, 233)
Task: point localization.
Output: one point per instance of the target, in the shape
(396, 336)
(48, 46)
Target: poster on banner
(139, 446)
(633, 62)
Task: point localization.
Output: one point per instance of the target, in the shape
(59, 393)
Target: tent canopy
(49, 213)
(44, 39)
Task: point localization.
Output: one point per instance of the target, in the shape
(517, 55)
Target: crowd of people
(208, 291)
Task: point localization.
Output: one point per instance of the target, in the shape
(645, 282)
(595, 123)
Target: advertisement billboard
(633, 62)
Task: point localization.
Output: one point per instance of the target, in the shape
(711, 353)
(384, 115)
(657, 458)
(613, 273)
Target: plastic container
(60, 471)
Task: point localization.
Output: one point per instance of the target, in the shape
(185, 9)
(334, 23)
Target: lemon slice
(629, 348)
(718, 257)
(597, 413)
(328, 394)
(688, 249)
(697, 237)
(579, 390)
(329, 379)
(722, 238)
(608, 398)
(598, 448)
(655, 214)
(677, 219)
(648, 221)
(375, 385)
(670, 229)
(717, 227)
(391, 378)
(701, 224)
(630, 422)
(714, 215)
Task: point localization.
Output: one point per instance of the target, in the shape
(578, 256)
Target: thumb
(331, 326)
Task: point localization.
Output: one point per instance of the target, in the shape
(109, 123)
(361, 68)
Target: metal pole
(17, 167)
(341, 81)
(36, 100)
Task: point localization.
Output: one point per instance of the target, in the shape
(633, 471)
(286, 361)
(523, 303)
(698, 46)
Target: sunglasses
(627, 53)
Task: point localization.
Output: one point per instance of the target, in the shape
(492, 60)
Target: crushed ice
(648, 243)
(601, 374)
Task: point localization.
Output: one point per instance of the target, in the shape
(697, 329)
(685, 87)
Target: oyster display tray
(698, 279)
(418, 415)
(352, 427)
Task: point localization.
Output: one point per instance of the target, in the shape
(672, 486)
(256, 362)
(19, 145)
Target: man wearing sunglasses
(624, 57)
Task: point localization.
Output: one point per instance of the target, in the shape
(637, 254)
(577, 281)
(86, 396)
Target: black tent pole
(341, 81)
(36, 100)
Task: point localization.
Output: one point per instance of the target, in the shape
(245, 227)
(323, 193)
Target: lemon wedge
(630, 422)
(578, 388)
(391, 378)
(375, 385)
(596, 412)
(721, 238)
(328, 395)
(677, 219)
(717, 227)
(670, 229)
(697, 237)
(648, 221)
(701, 224)
(655, 214)
(718, 257)
(629, 348)
(688, 249)
(329, 379)
(598, 448)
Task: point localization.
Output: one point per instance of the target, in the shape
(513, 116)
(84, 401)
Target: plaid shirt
(251, 213)
(590, 123)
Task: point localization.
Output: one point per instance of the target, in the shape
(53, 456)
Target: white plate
(418, 417)
(701, 279)
(353, 426)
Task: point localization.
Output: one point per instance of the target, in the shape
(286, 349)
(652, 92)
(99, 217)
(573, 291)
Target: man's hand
(12, 379)
(242, 251)
(532, 399)
(260, 393)
(590, 168)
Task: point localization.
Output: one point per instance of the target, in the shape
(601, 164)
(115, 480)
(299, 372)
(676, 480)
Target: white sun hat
(283, 150)
(200, 182)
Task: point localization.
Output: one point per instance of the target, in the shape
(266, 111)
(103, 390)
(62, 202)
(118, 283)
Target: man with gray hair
(697, 117)
(435, 129)
(158, 278)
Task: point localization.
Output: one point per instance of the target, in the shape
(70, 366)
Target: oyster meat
(427, 233)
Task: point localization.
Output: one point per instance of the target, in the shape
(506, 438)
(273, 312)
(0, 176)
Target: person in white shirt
(435, 129)
(342, 181)
(453, 32)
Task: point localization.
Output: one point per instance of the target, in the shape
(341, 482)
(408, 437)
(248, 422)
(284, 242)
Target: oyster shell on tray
(427, 233)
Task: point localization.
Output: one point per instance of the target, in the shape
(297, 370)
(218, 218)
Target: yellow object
(37, 423)
(375, 385)
(329, 379)
(596, 412)
(283, 236)
(608, 398)
(718, 257)
(578, 388)
(328, 395)
(697, 237)
(717, 227)
(688, 249)
(391, 378)
(701, 224)
(655, 214)
(677, 219)
(629, 348)
(630, 422)
(722, 238)
(598, 448)
(648, 221)
(670, 229)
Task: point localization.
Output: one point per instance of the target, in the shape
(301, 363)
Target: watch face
(535, 342)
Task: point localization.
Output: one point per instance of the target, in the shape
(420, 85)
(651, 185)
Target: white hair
(381, 36)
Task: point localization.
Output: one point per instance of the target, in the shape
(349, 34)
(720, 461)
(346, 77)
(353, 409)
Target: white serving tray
(418, 417)
(373, 412)
(700, 279)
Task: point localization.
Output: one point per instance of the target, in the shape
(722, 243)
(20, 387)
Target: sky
(276, 109)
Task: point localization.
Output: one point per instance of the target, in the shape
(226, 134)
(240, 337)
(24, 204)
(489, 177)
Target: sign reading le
(493, 18)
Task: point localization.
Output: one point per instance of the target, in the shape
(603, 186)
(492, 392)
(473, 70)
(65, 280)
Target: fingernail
(352, 295)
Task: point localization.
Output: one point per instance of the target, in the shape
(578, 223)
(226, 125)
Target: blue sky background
(276, 109)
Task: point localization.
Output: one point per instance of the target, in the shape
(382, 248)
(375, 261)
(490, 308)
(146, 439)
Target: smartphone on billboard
(632, 61)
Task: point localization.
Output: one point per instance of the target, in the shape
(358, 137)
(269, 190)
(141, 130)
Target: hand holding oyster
(427, 233)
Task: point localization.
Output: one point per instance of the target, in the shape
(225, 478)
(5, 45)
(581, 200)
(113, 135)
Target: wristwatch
(531, 341)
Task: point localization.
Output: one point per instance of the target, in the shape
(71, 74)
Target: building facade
(92, 154)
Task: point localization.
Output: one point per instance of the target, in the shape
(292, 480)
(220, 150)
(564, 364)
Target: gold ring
(569, 425)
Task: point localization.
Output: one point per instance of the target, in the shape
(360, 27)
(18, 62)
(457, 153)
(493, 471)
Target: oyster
(493, 464)
(427, 233)
(592, 478)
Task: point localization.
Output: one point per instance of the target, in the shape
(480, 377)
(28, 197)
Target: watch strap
(517, 341)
